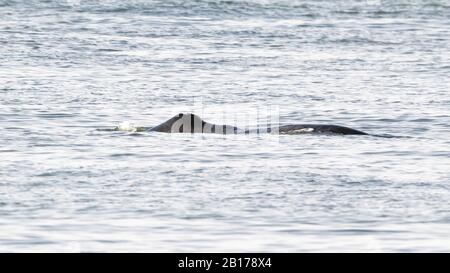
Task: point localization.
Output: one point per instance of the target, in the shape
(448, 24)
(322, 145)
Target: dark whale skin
(319, 129)
(191, 123)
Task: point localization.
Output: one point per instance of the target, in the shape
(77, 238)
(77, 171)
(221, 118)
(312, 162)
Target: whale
(191, 123)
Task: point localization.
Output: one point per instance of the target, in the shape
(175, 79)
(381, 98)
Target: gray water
(69, 69)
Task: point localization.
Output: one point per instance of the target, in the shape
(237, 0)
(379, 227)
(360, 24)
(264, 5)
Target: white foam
(127, 127)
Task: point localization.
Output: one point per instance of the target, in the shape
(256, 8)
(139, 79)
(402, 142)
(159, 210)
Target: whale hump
(181, 123)
(191, 123)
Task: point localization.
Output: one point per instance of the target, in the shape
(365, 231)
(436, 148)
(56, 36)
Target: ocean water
(70, 69)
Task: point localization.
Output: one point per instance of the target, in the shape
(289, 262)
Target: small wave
(124, 127)
(378, 12)
(356, 40)
(122, 155)
(55, 115)
(390, 136)
(8, 151)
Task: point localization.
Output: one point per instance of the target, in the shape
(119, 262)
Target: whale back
(181, 123)
(317, 129)
(191, 123)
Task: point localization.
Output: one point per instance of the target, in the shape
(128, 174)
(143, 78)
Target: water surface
(68, 68)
